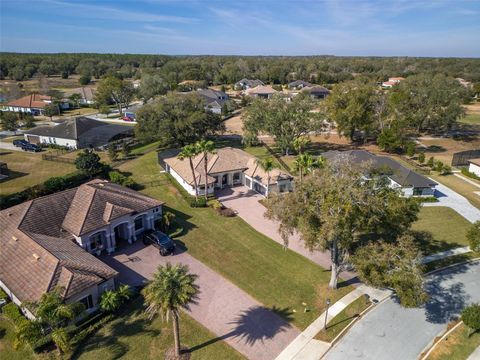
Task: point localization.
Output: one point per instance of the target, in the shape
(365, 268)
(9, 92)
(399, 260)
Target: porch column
(110, 242)
(150, 222)
(131, 233)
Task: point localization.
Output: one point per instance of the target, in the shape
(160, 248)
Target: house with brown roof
(53, 241)
(86, 93)
(33, 104)
(228, 167)
(261, 91)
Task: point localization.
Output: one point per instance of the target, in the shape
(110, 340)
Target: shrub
(470, 174)
(438, 165)
(421, 158)
(198, 203)
(471, 317)
(446, 170)
(55, 183)
(120, 179)
(12, 312)
(428, 199)
(227, 212)
(104, 109)
(410, 149)
(431, 162)
(473, 236)
(215, 204)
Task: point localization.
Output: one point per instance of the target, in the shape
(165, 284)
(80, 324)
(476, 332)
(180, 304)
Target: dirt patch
(443, 149)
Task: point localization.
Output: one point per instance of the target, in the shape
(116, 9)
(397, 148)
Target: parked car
(127, 118)
(160, 240)
(20, 142)
(31, 147)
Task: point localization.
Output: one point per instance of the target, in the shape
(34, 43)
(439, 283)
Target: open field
(447, 227)
(444, 148)
(41, 84)
(343, 319)
(279, 279)
(456, 346)
(28, 169)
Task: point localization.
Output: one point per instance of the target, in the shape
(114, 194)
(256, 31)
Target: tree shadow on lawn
(257, 323)
(13, 175)
(428, 245)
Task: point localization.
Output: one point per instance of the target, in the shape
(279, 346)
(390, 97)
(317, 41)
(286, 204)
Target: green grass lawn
(456, 346)
(7, 336)
(455, 259)
(28, 169)
(279, 279)
(133, 336)
(471, 119)
(448, 229)
(343, 319)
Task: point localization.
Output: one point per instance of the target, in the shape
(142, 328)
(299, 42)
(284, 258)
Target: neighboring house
(214, 99)
(298, 85)
(261, 91)
(246, 84)
(474, 166)
(81, 132)
(86, 95)
(226, 168)
(33, 104)
(400, 177)
(392, 81)
(49, 242)
(316, 92)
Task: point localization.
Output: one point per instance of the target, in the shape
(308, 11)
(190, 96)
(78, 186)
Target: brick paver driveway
(246, 203)
(223, 308)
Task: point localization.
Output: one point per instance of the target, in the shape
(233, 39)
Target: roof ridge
(89, 206)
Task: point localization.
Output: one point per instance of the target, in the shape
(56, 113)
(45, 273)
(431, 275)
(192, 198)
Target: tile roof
(400, 174)
(31, 101)
(38, 253)
(226, 159)
(261, 89)
(86, 93)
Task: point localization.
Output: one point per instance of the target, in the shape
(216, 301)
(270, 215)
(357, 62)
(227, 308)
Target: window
(96, 241)
(417, 191)
(236, 176)
(87, 301)
(139, 223)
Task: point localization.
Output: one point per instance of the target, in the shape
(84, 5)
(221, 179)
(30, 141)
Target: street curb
(433, 344)
(450, 266)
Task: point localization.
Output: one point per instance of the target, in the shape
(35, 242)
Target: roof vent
(36, 257)
(14, 238)
(9, 214)
(101, 185)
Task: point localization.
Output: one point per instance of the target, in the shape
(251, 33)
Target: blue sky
(249, 27)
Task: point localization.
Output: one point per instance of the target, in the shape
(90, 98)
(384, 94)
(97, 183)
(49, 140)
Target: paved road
(223, 308)
(390, 332)
(246, 203)
(8, 146)
(450, 198)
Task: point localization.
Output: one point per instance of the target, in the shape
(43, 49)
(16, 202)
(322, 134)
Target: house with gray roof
(215, 100)
(54, 241)
(298, 84)
(400, 177)
(246, 84)
(78, 133)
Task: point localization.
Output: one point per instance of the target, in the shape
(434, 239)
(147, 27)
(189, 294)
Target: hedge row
(470, 174)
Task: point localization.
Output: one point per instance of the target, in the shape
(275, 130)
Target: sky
(443, 28)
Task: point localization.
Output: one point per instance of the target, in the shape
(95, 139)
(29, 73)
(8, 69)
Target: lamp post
(326, 314)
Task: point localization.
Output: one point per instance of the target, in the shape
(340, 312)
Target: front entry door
(224, 180)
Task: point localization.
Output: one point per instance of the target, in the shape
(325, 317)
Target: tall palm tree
(266, 165)
(171, 288)
(189, 152)
(303, 164)
(206, 147)
(300, 143)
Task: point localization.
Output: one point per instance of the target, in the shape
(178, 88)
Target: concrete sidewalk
(475, 355)
(227, 311)
(445, 254)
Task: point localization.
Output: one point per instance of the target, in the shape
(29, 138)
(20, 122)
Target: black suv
(20, 142)
(31, 147)
(160, 240)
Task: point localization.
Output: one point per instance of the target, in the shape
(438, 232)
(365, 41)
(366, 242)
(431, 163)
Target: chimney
(36, 257)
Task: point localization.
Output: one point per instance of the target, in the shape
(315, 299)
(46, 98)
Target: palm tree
(189, 152)
(266, 165)
(124, 292)
(206, 147)
(300, 143)
(306, 163)
(61, 339)
(171, 288)
(110, 301)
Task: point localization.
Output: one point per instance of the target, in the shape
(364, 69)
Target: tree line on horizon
(229, 69)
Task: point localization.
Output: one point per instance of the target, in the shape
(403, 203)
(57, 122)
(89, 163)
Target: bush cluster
(120, 179)
(470, 174)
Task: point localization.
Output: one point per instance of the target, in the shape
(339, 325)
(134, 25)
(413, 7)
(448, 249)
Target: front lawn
(456, 346)
(277, 278)
(133, 336)
(441, 228)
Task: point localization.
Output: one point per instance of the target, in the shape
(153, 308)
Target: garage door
(259, 188)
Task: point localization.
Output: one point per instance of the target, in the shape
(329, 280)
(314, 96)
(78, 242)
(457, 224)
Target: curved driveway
(391, 332)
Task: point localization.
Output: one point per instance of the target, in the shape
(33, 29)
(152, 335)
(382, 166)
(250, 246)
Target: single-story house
(33, 104)
(392, 81)
(78, 133)
(400, 177)
(298, 84)
(474, 166)
(261, 91)
(316, 91)
(214, 99)
(53, 241)
(86, 94)
(226, 168)
(246, 84)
